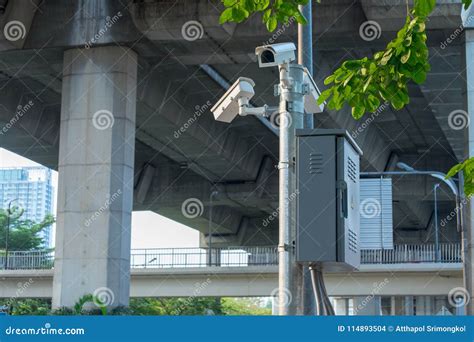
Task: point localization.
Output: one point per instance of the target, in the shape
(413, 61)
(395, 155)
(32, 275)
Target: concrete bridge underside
(164, 146)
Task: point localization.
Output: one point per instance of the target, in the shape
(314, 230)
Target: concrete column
(393, 303)
(420, 305)
(340, 306)
(409, 308)
(95, 176)
(367, 306)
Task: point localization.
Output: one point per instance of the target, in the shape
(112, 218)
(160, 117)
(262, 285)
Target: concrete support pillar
(409, 308)
(95, 176)
(367, 306)
(341, 306)
(399, 306)
(393, 304)
(421, 305)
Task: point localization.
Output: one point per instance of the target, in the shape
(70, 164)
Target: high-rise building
(31, 188)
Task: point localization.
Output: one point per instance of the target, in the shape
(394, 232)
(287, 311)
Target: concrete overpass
(243, 272)
(116, 98)
(253, 281)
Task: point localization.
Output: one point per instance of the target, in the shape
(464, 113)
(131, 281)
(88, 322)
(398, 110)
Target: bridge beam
(95, 175)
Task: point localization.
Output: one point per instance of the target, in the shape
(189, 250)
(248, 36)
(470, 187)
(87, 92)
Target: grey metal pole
(435, 189)
(468, 241)
(284, 271)
(467, 270)
(291, 116)
(209, 233)
(305, 49)
(305, 58)
(7, 235)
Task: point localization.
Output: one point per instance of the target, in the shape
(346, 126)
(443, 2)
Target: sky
(149, 230)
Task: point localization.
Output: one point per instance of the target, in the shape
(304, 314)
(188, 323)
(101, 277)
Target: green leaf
(358, 112)
(423, 8)
(226, 16)
(266, 15)
(454, 170)
(324, 96)
(272, 23)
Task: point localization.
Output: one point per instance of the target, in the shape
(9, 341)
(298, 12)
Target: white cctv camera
(236, 97)
(275, 54)
(311, 105)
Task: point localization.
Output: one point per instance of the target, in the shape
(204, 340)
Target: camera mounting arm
(245, 109)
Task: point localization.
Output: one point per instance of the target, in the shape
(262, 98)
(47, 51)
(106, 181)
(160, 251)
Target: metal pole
(305, 49)
(467, 270)
(209, 233)
(305, 58)
(7, 232)
(291, 116)
(435, 188)
(284, 210)
(7, 235)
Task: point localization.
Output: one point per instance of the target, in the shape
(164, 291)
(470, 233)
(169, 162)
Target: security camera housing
(227, 108)
(275, 54)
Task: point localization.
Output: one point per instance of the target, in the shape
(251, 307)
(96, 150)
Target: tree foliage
(467, 169)
(24, 234)
(273, 11)
(87, 305)
(365, 83)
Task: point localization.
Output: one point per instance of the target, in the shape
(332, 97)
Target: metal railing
(241, 256)
(160, 258)
(28, 260)
(199, 257)
(411, 253)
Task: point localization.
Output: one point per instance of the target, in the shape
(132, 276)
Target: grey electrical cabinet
(327, 168)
